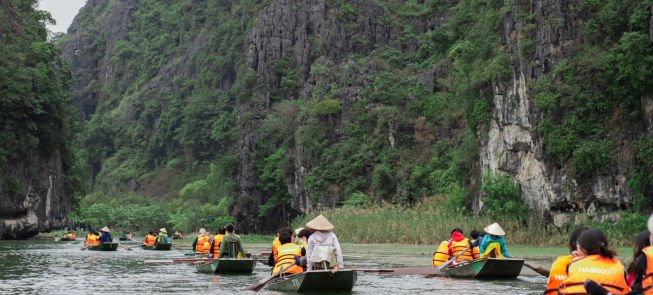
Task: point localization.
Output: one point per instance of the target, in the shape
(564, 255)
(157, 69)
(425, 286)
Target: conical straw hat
(105, 229)
(494, 229)
(163, 230)
(320, 223)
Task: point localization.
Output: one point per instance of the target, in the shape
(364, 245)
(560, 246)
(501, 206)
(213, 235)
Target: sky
(63, 11)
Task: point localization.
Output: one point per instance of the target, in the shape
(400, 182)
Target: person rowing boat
(322, 241)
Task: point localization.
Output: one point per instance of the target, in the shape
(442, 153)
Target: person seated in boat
(296, 236)
(95, 238)
(289, 254)
(596, 268)
(303, 235)
(178, 235)
(198, 243)
(106, 236)
(476, 239)
(276, 244)
(162, 237)
(493, 243)
(459, 245)
(559, 268)
(320, 238)
(150, 239)
(215, 243)
(226, 249)
(441, 255)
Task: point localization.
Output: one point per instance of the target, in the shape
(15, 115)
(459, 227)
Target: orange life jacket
(647, 279)
(441, 255)
(200, 244)
(275, 245)
(92, 240)
(287, 254)
(457, 247)
(558, 274)
(216, 243)
(206, 249)
(607, 272)
(150, 240)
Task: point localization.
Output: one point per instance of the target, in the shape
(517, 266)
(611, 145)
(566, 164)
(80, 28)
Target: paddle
(86, 246)
(404, 271)
(178, 247)
(446, 263)
(121, 245)
(260, 284)
(538, 269)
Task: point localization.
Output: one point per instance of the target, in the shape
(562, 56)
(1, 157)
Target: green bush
(327, 107)
(502, 196)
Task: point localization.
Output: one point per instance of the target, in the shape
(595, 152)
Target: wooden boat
(66, 239)
(104, 247)
(505, 268)
(228, 265)
(159, 246)
(124, 239)
(316, 280)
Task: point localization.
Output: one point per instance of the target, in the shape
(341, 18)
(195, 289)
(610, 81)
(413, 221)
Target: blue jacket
(488, 238)
(106, 238)
(477, 242)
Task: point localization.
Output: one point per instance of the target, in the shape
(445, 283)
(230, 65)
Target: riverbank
(430, 221)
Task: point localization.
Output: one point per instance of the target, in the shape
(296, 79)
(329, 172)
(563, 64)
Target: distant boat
(104, 247)
(316, 280)
(227, 265)
(65, 239)
(503, 268)
(159, 246)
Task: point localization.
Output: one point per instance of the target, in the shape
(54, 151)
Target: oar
(446, 263)
(121, 245)
(260, 284)
(404, 271)
(538, 269)
(86, 246)
(178, 247)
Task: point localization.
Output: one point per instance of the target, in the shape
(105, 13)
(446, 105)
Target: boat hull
(125, 239)
(158, 247)
(104, 247)
(505, 268)
(320, 280)
(67, 239)
(228, 265)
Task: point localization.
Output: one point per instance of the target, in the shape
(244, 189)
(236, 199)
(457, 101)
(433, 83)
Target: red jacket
(455, 237)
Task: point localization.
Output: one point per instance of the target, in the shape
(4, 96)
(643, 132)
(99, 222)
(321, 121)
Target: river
(48, 267)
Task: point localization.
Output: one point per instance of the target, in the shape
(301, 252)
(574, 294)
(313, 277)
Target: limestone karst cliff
(37, 119)
(307, 105)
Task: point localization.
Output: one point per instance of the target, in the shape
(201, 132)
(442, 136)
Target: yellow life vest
(287, 253)
(458, 247)
(491, 247)
(216, 243)
(441, 255)
(647, 279)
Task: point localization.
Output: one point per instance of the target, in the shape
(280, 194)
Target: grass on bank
(430, 222)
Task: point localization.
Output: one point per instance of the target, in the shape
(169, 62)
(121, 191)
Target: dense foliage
(37, 118)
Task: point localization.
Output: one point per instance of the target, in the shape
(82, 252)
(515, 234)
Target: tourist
(231, 237)
(219, 236)
(276, 244)
(198, 243)
(597, 263)
(322, 237)
(441, 255)
(476, 239)
(106, 236)
(162, 237)
(460, 245)
(289, 254)
(493, 243)
(150, 239)
(637, 268)
(559, 267)
(296, 239)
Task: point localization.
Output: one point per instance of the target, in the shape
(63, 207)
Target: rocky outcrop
(514, 146)
(39, 203)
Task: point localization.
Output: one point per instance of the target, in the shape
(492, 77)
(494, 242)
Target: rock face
(34, 196)
(515, 148)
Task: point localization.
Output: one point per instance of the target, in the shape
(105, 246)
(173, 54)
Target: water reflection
(60, 267)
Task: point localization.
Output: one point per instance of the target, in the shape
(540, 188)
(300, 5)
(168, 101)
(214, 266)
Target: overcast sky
(63, 11)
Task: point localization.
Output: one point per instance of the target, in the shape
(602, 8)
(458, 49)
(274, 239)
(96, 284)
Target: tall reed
(430, 222)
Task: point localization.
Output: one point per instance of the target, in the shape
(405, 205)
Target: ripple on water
(48, 267)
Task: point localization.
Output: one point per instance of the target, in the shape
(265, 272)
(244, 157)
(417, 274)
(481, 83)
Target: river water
(48, 267)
